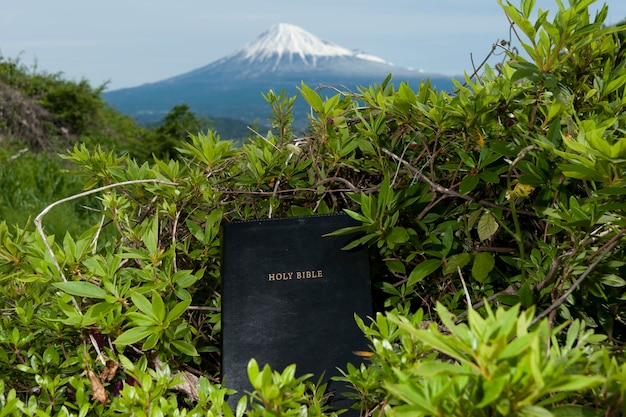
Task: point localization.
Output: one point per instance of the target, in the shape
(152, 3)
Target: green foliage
(283, 394)
(494, 217)
(175, 129)
(29, 182)
(75, 105)
(46, 112)
(496, 364)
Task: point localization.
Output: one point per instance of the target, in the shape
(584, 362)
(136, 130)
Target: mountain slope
(281, 57)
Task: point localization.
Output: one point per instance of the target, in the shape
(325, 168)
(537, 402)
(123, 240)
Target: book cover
(289, 296)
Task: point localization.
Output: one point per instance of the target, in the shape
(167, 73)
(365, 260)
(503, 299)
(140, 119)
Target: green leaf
(152, 340)
(151, 237)
(253, 371)
(242, 406)
(466, 158)
(398, 235)
(580, 172)
(526, 295)
(69, 246)
(410, 394)
(51, 355)
(573, 411)
(81, 289)
(178, 310)
(143, 304)
(456, 261)
(443, 344)
(396, 266)
(468, 184)
(612, 190)
(133, 335)
(141, 320)
(576, 382)
(361, 241)
(613, 280)
(487, 226)
(184, 347)
(492, 389)
(195, 230)
(357, 216)
(184, 279)
(490, 177)
(345, 231)
(534, 411)
(423, 270)
(483, 265)
(311, 97)
(429, 369)
(518, 346)
(158, 307)
(447, 239)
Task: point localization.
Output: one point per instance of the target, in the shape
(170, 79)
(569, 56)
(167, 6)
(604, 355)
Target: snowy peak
(284, 39)
(289, 41)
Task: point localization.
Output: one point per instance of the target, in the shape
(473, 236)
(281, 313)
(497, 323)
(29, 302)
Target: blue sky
(131, 42)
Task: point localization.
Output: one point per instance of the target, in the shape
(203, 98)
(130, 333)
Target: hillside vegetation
(43, 115)
(494, 217)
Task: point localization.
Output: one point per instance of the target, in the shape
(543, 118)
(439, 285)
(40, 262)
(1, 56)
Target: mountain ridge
(282, 57)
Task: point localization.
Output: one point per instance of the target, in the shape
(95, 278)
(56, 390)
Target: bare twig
(603, 252)
(94, 343)
(94, 241)
(521, 156)
(261, 136)
(495, 249)
(174, 232)
(339, 179)
(351, 188)
(45, 211)
(276, 185)
(395, 175)
(467, 296)
(447, 191)
(38, 223)
(553, 268)
(510, 290)
(18, 154)
(204, 308)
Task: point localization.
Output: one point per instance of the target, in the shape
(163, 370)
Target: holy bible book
(289, 296)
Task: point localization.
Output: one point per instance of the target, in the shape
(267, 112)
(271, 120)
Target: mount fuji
(282, 57)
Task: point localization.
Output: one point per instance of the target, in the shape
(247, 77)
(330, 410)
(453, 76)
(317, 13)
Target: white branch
(45, 211)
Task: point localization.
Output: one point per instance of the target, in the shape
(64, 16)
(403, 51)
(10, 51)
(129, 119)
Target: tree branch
(603, 252)
(441, 189)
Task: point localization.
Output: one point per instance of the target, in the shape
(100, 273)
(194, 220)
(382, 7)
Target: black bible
(289, 295)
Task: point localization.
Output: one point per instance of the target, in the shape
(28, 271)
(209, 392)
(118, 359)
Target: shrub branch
(600, 256)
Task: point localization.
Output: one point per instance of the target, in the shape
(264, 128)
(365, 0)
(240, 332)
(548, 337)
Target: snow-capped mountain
(285, 46)
(282, 57)
(291, 41)
(286, 49)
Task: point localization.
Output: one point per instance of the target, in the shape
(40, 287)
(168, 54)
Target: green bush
(497, 364)
(45, 112)
(30, 181)
(495, 221)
